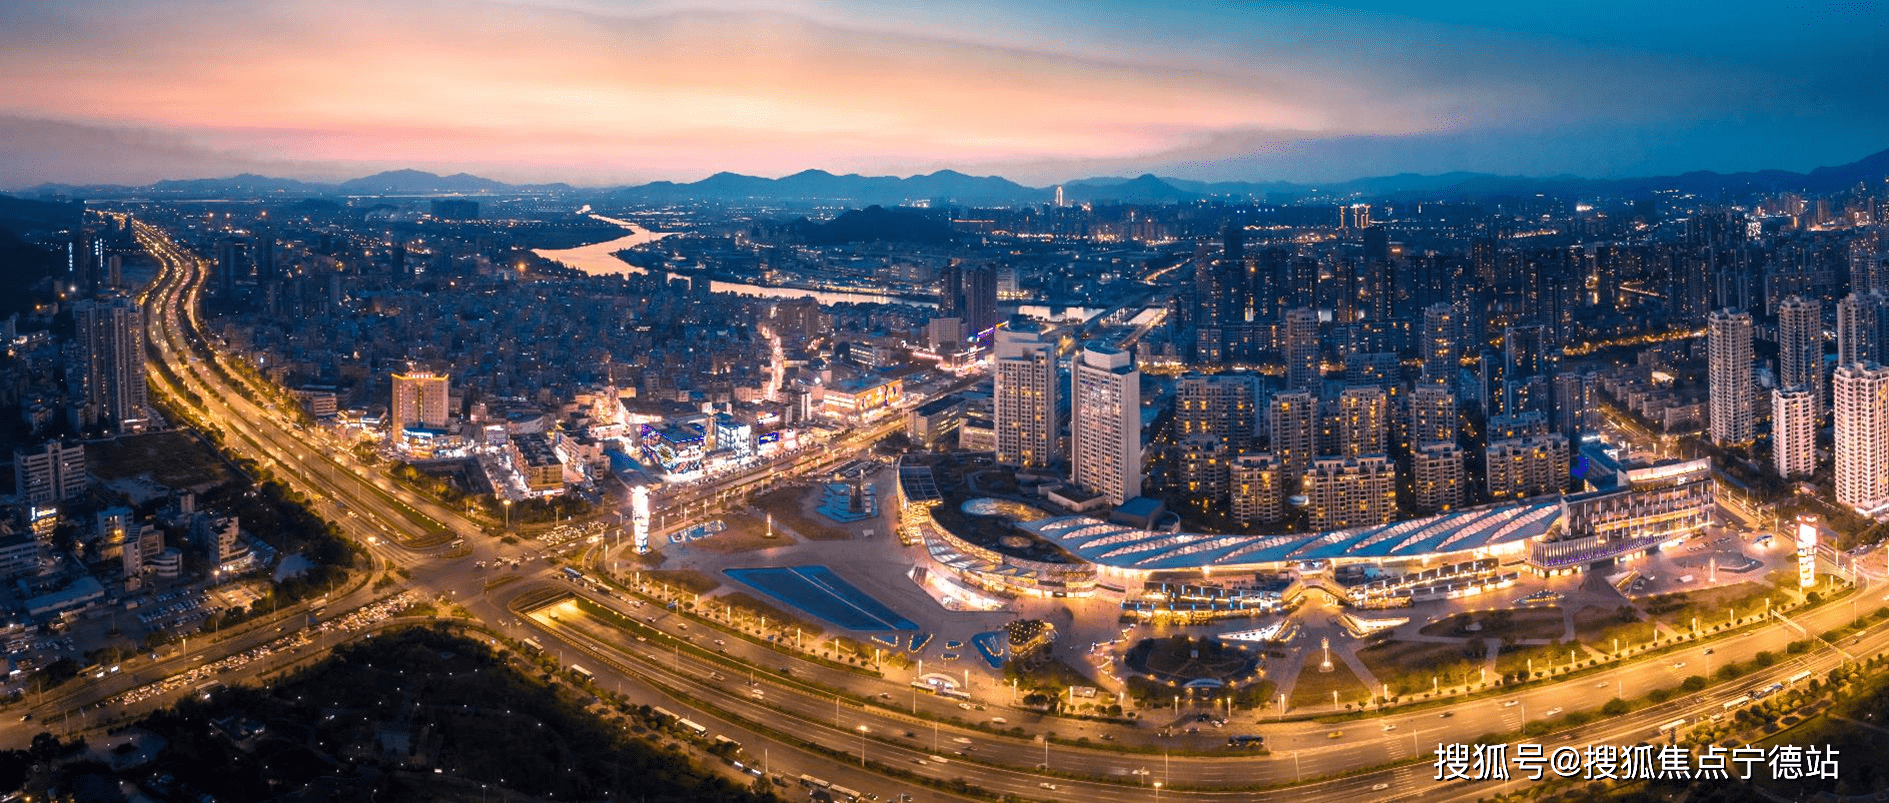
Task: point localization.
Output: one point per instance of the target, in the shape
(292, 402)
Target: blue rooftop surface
(1115, 545)
(818, 591)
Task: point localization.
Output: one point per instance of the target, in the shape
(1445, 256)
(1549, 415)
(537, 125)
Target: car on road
(960, 740)
(1390, 726)
(1334, 734)
(1708, 651)
(1446, 715)
(1679, 664)
(1047, 785)
(1554, 711)
(1510, 703)
(1601, 685)
(965, 706)
(1380, 787)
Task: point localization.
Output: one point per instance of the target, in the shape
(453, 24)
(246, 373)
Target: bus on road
(582, 673)
(1672, 726)
(1797, 678)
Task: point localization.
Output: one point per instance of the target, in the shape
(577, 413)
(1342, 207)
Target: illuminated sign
(639, 517)
(1806, 551)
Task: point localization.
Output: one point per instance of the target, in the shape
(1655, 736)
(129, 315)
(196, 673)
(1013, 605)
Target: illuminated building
(1257, 487)
(1519, 468)
(420, 400)
(1303, 371)
(1439, 482)
(1220, 407)
(1024, 390)
(1793, 432)
(1860, 406)
(1293, 421)
(1432, 416)
(1729, 374)
(1634, 510)
(1105, 423)
(1437, 345)
(678, 449)
(109, 332)
(1363, 422)
(1800, 346)
(1347, 492)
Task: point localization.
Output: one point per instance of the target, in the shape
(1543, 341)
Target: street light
(862, 745)
(508, 514)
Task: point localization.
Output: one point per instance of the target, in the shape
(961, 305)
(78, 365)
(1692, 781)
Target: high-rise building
(1574, 409)
(1860, 408)
(1024, 390)
(1220, 406)
(1344, 492)
(1863, 328)
(420, 402)
(1105, 423)
(1258, 486)
(1303, 369)
(980, 299)
(1363, 422)
(1800, 345)
(1793, 432)
(1432, 416)
(1519, 468)
(1439, 482)
(110, 335)
(1729, 383)
(1292, 423)
(1437, 345)
(51, 473)
(1202, 464)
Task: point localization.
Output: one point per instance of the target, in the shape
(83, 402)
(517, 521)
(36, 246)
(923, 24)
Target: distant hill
(24, 265)
(418, 182)
(950, 186)
(876, 224)
(819, 185)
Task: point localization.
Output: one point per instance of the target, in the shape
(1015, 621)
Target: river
(600, 259)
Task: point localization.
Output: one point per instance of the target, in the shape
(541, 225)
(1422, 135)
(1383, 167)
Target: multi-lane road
(389, 522)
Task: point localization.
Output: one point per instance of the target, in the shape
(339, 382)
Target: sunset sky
(593, 92)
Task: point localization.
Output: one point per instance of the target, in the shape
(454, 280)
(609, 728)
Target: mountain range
(815, 186)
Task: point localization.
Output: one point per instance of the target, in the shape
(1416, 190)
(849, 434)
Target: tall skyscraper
(1432, 416)
(1729, 376)
(1024, 386)
(1363, 422)
(1860, 407)
(1862, 328)
(420, 401)
(980, 298)
(110, 335)
(1574, 410)
(1437, 345)
(1292, 419)
(1303, 369)
(1800, 342)
(1793, 432)
(1105, 423)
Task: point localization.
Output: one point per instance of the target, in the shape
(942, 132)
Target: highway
(400, 528)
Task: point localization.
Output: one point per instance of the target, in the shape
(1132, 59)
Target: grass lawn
(172, 459)
(1711, 605)
(1598, 626)
(1313, 689)
(1409, 665)
(686, 579)
(745, 533)
(789, 506)
(1517, 623)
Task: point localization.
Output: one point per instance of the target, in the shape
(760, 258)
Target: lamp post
(508, 514)
(862, 745)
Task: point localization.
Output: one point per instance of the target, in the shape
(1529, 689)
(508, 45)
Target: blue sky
(593, 92)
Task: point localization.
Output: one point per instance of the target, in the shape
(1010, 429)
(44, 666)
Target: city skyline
(597, 94)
